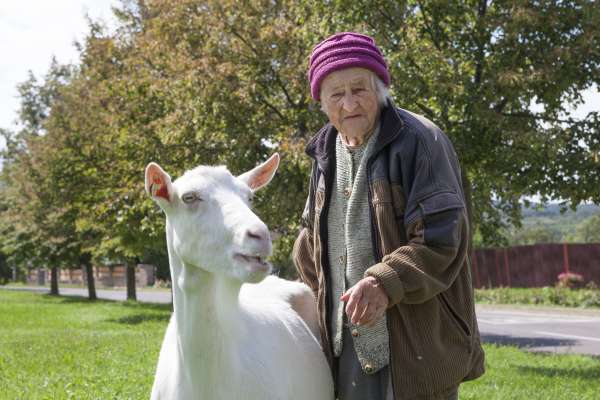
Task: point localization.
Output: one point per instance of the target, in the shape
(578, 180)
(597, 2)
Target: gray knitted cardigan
(351, 253)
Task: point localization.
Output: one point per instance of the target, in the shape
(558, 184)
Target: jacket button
(354, 332)
(368, 368)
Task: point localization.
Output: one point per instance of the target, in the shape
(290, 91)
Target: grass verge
(547, 296)
(71, 348)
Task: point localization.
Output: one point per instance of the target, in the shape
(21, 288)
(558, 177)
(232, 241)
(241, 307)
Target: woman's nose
(349, 102)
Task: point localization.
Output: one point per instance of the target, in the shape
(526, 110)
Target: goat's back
(285, 345)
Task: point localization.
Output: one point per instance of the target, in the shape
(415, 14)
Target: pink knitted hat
(345, 50)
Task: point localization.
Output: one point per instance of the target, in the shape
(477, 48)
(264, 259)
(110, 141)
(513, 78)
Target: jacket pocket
(441, 214)
(458, 321)
(440, 201)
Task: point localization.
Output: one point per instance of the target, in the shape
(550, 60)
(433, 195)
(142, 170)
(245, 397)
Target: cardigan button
(368, 368)
(354, 332)
(347, 193)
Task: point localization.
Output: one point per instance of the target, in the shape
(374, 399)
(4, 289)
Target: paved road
(146, 296)
(541, 328)
(532, 328)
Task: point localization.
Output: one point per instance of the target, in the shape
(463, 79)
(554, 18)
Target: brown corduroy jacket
(420, 233)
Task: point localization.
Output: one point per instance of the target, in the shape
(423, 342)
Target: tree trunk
(466, 183)
(54, 281)
(91, 283)
(130, 274)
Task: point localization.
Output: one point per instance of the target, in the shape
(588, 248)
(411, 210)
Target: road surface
(559, 330)
(564, 330)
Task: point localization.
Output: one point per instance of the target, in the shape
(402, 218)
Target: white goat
(231, 337)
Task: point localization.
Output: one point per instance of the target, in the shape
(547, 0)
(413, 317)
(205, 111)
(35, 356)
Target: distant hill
(547, 224)
(550, 210)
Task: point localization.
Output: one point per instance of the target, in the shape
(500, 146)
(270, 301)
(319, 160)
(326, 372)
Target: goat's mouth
(254, 262)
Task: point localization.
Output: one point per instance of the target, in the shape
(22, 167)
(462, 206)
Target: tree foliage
(187, 82)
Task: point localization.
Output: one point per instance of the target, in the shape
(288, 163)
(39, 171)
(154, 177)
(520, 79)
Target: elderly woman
(384, 238)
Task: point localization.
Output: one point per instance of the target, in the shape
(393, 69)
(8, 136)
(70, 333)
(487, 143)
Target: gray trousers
(354, 384)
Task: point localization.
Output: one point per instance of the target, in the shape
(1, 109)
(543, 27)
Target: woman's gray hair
(382, 92)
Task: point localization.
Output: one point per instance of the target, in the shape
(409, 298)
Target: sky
(32, 31)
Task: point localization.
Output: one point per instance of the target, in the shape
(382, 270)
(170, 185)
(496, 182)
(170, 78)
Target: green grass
(70, 348)
(547, 296)
(513, 374)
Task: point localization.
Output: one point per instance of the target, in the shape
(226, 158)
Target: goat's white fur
(231, 337)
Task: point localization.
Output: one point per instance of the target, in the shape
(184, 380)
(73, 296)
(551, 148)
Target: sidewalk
(144, 296)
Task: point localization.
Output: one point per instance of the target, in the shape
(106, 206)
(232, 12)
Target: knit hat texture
(345, 50)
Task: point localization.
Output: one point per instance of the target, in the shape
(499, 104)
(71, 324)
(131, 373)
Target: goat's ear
(259, 176)
(158, 183)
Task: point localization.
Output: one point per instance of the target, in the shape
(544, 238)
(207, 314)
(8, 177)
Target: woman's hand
(366, 302)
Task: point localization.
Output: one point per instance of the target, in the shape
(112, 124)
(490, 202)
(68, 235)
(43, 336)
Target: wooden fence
(534, 266)
(105, 276)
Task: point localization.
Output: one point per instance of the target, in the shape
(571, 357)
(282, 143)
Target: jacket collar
(322, 146)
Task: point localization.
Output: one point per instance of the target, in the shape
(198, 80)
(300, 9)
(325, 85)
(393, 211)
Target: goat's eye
(190, 197)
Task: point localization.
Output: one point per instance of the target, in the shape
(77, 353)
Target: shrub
(570, 280)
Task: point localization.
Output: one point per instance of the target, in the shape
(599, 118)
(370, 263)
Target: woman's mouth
(352, 117)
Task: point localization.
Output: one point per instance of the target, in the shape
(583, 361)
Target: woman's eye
(336, 95)
(190, 198)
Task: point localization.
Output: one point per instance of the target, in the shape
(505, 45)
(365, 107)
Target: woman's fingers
(365, 302)
(353, 300)
(367, 315)
(347, 294)
(377, 315)
(364, 307)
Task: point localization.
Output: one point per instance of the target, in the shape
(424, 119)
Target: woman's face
(349, 99)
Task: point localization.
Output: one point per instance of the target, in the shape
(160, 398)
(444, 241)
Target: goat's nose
(257, 234)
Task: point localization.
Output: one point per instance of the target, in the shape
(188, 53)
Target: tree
(38, 222)
(5, 271)
(588, 231)
(222, 83)
(192, 82)
(475, 68)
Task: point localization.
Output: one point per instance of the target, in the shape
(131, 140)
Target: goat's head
(213, 227)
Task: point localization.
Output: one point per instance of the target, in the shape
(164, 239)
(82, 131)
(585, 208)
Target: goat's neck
(206, 309)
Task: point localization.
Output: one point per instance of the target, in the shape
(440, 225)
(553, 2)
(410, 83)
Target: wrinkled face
(349, 99)
(210, 224)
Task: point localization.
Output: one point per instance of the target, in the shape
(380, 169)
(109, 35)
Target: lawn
(70, 348)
